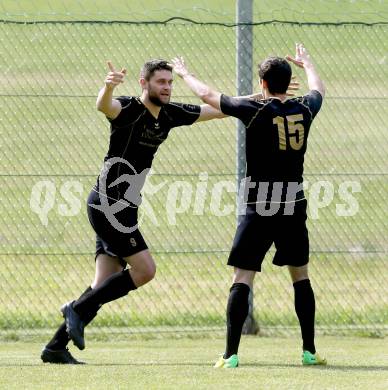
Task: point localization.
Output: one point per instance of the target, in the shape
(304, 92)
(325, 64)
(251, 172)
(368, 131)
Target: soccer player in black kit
(138, 126)
(274, 204)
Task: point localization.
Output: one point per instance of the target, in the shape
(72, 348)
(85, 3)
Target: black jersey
(276, 135)
(134, 140)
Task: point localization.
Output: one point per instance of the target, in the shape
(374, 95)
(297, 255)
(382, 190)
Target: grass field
(51, 131)
(199, 10)
(266, 363)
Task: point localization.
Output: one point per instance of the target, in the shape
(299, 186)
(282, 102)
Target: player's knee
(150, 272)
(145, 274)
(243, 276)
(298, 273)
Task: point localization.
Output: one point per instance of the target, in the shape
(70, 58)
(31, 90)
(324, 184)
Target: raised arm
(212, 110)
(203, 91)
(105, 102)
(303, 60)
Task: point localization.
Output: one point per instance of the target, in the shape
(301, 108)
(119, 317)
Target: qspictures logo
(131, 197)
(162, 202)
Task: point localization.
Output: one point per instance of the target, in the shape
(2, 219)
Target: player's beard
(154, 98)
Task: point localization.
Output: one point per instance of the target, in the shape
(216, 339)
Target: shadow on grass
(207, 364)
(328, 367)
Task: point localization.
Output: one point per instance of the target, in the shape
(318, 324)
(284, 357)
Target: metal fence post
(244, 87)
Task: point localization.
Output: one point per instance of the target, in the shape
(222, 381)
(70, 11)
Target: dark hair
(149, 68)
(276, 71)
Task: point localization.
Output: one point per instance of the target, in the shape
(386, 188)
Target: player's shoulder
(242, 101)
(310, 102)
(268, 101)
(127, 101)
(179, 105)
(131, 106)
(263, 106)
(175, 107)
(314, 94)
(256, 102)
(311, 96)
(297, 100)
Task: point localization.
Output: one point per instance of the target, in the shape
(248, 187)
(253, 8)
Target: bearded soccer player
(277, 129)
(138, 126)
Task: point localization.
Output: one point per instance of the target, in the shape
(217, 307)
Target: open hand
(302, 58)
(178, 64)
(114, 78)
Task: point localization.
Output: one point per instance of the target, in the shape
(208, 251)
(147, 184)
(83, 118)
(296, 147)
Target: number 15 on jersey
(295, 132)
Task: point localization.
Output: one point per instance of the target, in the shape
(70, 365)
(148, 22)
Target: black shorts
(119, 236)
(256, 233)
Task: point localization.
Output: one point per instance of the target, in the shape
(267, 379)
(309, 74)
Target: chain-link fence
(53, 142)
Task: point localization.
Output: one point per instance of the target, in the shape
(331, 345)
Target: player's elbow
(317, 85)
(205, 94)
(320, 87)
(99, 106)
(102, 108)
(211, 98)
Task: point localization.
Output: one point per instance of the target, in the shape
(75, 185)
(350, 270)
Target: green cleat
(230, 362)
(310, 359)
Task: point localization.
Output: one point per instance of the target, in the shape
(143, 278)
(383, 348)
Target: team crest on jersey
(151, 138)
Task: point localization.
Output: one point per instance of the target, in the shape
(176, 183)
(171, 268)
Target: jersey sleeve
(314, 101)
(182, 114)
(126, 108)
(241, 108)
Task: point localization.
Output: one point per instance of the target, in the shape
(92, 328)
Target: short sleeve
(126, 107)
(314, 101)
(241, 108)
(181, 114)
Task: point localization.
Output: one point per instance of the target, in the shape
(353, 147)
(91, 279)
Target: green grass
(50, 130)
(266, 363)
(200, 10)
(196, 298)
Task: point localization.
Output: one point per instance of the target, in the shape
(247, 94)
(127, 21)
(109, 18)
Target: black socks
(305, 310)
(61, 338)
(238, 306)
(236, 314)
(87, 305)
(116, 286)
